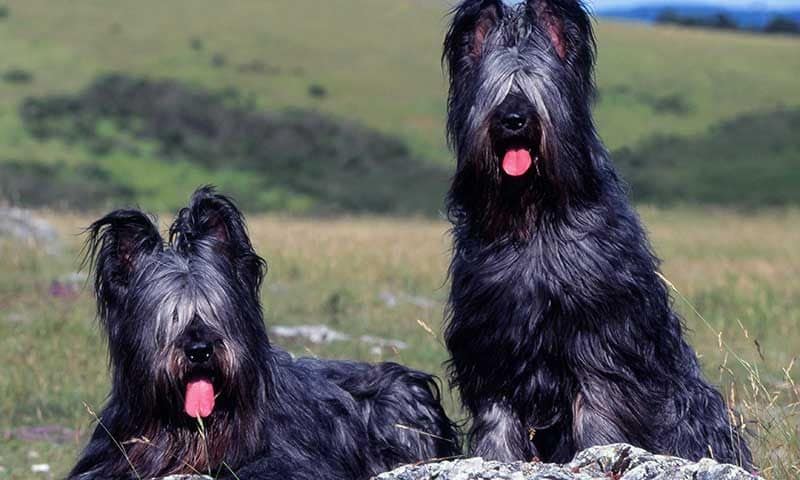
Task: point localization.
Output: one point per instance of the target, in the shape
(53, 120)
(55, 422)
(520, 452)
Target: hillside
(745, 17)
(373, 66)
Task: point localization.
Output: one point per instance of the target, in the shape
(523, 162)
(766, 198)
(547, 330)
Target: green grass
(693, 116)
(738, 270)
(751, 161)
(378, 61)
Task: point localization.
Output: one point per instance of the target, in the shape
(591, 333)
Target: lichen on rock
(610, 462)
(617, 461)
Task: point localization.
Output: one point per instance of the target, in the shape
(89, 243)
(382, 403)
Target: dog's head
(182, 316)
(519, 110)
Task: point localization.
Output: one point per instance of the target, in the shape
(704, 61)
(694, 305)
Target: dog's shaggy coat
(561, 331)
(188, 310)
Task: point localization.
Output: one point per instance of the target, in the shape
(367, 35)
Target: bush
(784, 25)
(18, 76)
(342, 166)
(670, 104)
(719, 20)
(4, 12)
(60, 185)
(317, 91)
(218, 60)
(749, 161)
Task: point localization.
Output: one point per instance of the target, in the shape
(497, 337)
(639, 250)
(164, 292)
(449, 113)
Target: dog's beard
(502, 183)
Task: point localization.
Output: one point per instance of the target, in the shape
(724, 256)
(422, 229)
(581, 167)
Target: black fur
(275, 417)
(561, 332)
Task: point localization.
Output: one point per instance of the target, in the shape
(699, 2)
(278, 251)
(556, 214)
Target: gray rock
(610, 462)
(392, 300)
(22, 225)
(316, 334)
(379, 344)
(321, 334)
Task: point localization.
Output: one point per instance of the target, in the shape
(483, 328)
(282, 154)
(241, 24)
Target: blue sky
(727, 3)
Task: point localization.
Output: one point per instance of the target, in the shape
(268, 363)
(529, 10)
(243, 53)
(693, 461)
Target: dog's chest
(529, 284)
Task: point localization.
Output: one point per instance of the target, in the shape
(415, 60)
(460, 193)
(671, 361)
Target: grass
(378, 63)
(738, 270)
(693, 116)
(751, 161)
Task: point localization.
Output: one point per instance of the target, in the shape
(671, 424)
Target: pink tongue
(199, 398)
(516, 162)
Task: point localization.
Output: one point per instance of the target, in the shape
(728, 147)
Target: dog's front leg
(497, 433)
(601, 420)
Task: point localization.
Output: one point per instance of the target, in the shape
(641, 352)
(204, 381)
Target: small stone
(40, 468)
(24, 226)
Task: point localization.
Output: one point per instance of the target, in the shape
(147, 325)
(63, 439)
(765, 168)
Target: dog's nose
(199, 352)
(514, 122)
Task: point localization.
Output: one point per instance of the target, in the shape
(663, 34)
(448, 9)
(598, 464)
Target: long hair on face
(493, 53)
(156, 296)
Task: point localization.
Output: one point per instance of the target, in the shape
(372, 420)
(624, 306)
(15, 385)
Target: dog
(560, 329)
(197, 387)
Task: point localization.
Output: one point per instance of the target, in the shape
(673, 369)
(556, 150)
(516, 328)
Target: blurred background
(325, 121)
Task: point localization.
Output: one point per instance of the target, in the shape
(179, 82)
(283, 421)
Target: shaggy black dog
(197, 386)
(560, 330)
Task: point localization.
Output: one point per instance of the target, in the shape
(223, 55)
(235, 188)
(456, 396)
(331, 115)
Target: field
(670, 91)
(702, 125)
(345, 273)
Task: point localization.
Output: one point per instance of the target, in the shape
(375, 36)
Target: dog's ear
(473, 21)
(213, 223)
(567, 25)
(115, 249)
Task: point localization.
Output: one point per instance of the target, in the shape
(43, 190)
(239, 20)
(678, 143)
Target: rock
(43, 433)
(379, 343)
(22, 225)
(392, 300)
(610, 462)
(316, 334)
(40, 468)
(320, 334)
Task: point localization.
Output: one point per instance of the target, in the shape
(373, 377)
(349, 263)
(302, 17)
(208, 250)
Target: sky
(598, 4)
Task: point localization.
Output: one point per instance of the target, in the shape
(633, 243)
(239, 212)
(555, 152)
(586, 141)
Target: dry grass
(739, 270)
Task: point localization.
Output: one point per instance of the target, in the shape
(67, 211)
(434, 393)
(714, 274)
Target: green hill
(373, 66)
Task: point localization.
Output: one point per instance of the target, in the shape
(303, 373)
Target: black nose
(199, 352)
(514, 122)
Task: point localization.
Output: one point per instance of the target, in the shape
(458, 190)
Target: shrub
(59, 185)
(316, 90)
(782, 24)
(18, 76)
(340, 165)
(672, 104)
(218, 60)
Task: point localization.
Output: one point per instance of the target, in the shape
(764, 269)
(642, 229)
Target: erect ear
(473, 21)
(213, 223)
(116, 247)
(567, 25)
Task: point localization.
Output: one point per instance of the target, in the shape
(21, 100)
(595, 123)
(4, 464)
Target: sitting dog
(561, 331)
(198, 388)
